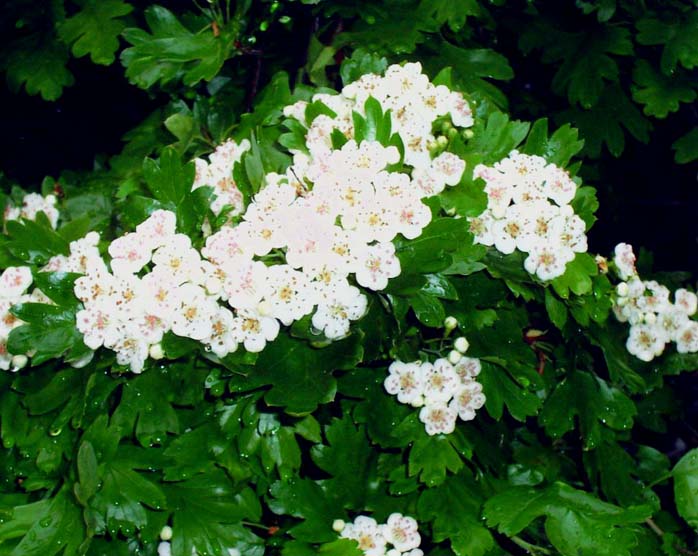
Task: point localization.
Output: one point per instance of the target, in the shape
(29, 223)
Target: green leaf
(501, 389)
(454, 509)
(428, 309)
(590, 399)
(605, 123)
(472, 67)
(207, 511)
(87, 472)
(58, 286)
(686, 147)
(495, 137)
(95, 29)
(39, 63)
(676, 36)
(170, 181)
(660, 94)
(34, 242)
(49, 332)
(577, 523)
(431, 251)
(585, 62)
(145, 408)
(346, 457)
(451, 12)
(360, 63)
(123, 495)
(432, 457)
(577, 276)
(557, 149)
(46, 528)
(304, 499)
(300, 376)
(171, 51)
(556, 310)
(685, 474)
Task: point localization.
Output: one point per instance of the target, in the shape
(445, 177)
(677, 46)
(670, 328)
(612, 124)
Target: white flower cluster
(654, 320)
(445, 390)
(528, 208)
(218, 173)
(129, 311)
(14, 282)
(32, 204)
(305, 239)
(414, 103)
(399, 531)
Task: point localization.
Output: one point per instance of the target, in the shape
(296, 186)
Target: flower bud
(454, 356)
(156, 352)
(82, 361)
(649, 318)
(19, 362)
(622, 289)
(461, 344)
(166, 533)
(442, 141)
(468, 134)
(450, 323)
(601, 264)
(338, 525)
(264, 308)
(417, 402)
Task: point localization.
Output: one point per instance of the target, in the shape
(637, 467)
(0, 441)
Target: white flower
(440, 381)
(222, 338)
(449, 167)
(244, 285)
(558, 185)
(158, 229)
(129, 253)
(548, 262)
(686, 301)
(376, 265)
(687, 338)
(131, 350)
(406, 380)
(289, 293)
(339, 304)
(624, 260)
(178, 258)
(14, 281)
(254, 330)
(401, 531)
(368, 534)
(645, 341)
(193, 318)
(467, 368)
(467, 399)
(99, 324)
(438, 418)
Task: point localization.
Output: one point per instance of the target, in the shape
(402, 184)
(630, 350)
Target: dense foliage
(213, 447)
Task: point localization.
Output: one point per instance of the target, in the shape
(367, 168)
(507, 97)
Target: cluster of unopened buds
(374, 539)
(528, 208)
(32, 204)
(444, 390)
(654, 320)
